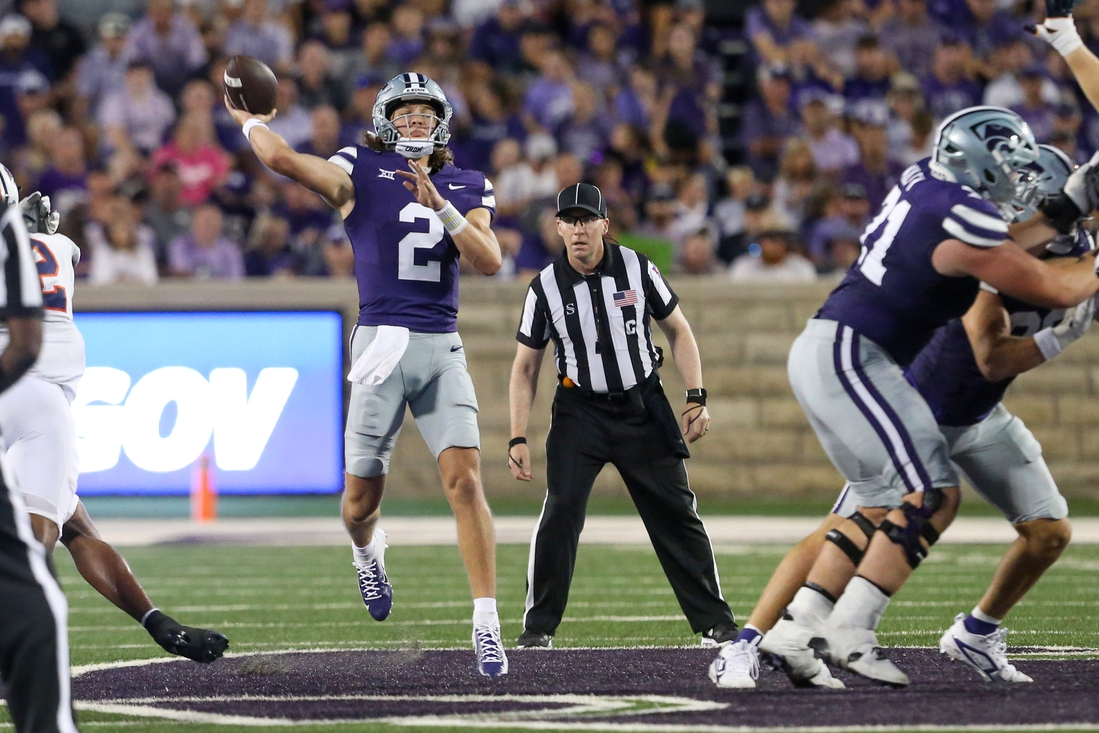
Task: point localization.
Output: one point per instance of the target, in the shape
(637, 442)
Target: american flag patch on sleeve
(624, 298)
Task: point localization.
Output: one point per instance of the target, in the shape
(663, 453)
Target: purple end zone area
(942, 693)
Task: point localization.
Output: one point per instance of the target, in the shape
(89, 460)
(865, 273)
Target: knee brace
(918, 526)
(842, 541)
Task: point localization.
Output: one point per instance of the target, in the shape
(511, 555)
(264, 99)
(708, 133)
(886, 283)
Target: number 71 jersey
(893, 295)
(406, 263)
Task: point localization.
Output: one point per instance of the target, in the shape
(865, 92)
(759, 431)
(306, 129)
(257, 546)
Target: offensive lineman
(963, 373)
(407, 240)
(40, 435)
(940, 232)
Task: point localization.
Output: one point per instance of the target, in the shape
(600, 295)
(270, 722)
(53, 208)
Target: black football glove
(1059, 8)
(1058, 29)
(201, 645)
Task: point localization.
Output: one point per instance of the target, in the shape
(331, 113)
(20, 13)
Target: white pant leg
(38, 429)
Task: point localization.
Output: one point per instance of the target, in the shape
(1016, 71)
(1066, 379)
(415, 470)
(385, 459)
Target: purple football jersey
(406, 263)
(946, 372)
(893, 295)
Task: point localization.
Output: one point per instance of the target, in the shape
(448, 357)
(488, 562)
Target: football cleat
(491, 660)
(788, 646)
(534, 640)
(200, 645)
(374, 585)
(986, 654)
(856, 650)
(723, 633)
(736, 666)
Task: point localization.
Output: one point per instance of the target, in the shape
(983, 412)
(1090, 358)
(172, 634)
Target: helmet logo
(999, 140)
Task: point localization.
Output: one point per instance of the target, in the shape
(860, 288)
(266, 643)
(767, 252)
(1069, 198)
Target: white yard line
(729, 534)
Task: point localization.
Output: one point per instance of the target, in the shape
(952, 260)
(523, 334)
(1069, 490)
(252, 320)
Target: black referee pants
(586, 434)
(34, 647)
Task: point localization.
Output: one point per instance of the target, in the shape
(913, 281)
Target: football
(250, 85)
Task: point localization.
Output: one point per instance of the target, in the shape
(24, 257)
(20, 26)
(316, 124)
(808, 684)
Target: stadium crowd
(123, 125)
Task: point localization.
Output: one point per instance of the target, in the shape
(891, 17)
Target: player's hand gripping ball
(250, 85)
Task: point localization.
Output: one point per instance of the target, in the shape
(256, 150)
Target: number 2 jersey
(61, 360)
(406, 263)
(893, 295)
(946, 372)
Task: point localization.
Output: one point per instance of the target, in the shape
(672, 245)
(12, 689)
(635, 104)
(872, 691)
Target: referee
(34, 642)
(595, 303)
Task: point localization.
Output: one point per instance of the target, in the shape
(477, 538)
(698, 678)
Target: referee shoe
(721, 634)
(534, 640)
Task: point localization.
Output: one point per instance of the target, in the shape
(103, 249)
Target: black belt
(572, 389)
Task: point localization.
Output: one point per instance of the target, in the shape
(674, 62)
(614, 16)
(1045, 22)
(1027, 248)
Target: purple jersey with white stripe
(893, 294)
(406, 263)
(946, 372)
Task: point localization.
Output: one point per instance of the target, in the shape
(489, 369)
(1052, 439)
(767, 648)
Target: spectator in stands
(832, 150)
(205, 253)
(317, 85)
(122, 249)
(798, 177)
(520, 183)
(599, 64)
(270, 254)
(492, 120)
(903, 100)
(20, 69)
(337, 33)
(259, 36)
(841, 249)
(691, 210)
(495, 43)
(768, 121)
(837, 27)
(548, 100)
(696, 254)
(568, 170)
(777, 34)
(139, 114)
(607, 177)
(164, 212)
(772, 259)
(201, 164)
(730, 213)
(308, 216)
(874, 171)
(921, 142)
(585, 132)
(949, 88)
(1036, 111)
(1068, 132)
(539, 247)
(325, 140)
(1006, 90)
(339, 258)
(374, 60)
(32, 159)
(987, 28)
(65, 180)
(58, 39)
(630, 147)
(659, 214)
(168, 41)
(32, 95)
(847, 209)
(634, 103)
(912, 37)
(872, 69)
(408, 34)
(293, 122)
(102, 70)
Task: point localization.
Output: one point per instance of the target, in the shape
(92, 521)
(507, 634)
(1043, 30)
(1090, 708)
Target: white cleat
(788, 645)
(736, 666)
(986, 654)
(856, 650)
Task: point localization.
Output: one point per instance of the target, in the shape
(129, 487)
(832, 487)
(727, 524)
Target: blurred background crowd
(753, 139)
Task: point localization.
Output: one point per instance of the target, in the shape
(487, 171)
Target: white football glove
(1057, 29)
(1052, 341)
(39, 215)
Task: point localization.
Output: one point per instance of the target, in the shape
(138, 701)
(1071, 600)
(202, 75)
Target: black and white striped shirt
(20, 287)
(599, 324)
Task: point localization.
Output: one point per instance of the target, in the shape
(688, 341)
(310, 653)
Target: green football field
(287, 598)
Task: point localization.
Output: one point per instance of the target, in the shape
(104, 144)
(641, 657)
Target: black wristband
(698, 396)
(516, 441)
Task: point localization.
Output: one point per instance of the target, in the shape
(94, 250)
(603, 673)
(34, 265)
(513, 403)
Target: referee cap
(582, 196)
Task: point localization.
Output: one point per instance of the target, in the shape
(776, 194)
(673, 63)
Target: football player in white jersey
(39, 435)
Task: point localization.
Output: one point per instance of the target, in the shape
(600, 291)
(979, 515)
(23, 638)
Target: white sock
(484, 612)
(980, 615)
(810, 608)
(364, 555)
(861, 605)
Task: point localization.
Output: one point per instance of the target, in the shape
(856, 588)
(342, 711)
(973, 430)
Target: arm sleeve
(478, 195)
(534, 328)
(659, 296)
(20, 287)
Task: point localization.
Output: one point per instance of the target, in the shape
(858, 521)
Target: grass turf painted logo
(112, 417)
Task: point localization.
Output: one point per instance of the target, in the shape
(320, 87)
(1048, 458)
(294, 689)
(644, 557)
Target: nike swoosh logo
(455, 188)
(455, 348)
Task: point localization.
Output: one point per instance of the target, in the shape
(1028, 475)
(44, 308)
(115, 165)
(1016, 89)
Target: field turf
(304, 598)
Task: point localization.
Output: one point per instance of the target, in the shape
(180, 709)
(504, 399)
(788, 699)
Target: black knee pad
(868, 528)
(919, 525)
(842, 541)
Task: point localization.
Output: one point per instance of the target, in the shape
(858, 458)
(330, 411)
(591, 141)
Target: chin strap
(414, 149)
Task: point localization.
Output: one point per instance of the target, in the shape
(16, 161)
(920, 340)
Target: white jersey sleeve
(56, 256)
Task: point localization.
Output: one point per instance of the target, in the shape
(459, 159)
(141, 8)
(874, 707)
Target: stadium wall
(760, 442)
